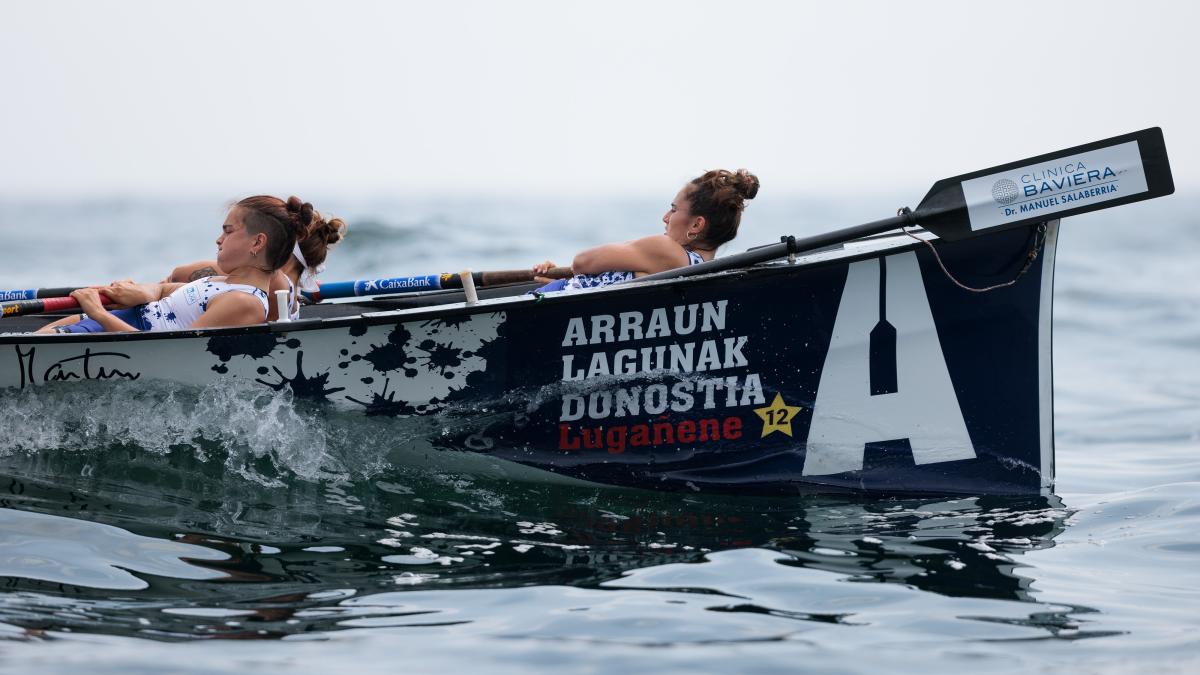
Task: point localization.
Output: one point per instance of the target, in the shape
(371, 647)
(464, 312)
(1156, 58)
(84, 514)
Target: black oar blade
(1119, 170)
(882, 345)
(882, 361)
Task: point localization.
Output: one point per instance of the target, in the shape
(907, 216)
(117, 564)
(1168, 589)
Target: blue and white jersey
(596, 280)
(580, 281)
(180, 309)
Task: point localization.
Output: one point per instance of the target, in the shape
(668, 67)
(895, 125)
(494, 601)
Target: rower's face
(236, 247)
(680, 222)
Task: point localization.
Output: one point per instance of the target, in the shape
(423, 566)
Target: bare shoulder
(279, 282)
(646, 255)
(656, 243)
(232, 309)
(236, 301)
(664, 251)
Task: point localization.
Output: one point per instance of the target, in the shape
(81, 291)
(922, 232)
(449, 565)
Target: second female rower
(299, 274)
(704, 215)
(256, 240)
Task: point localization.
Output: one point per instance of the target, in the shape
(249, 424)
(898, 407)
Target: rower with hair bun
(257, 239)
(704, 215)
(300, 273)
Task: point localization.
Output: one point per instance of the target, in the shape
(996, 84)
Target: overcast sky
(381, 98)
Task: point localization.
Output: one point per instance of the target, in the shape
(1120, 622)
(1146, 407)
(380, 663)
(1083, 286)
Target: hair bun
(720, 196)
(302, 211)
(336, 231)
(745, 183)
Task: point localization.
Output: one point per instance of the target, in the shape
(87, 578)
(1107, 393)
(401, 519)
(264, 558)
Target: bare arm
(656, 253)
(89, 299)
(129, 294)
(193, 271)
(231, 309)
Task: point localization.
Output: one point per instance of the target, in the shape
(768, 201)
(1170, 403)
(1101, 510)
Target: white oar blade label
(1071, 182)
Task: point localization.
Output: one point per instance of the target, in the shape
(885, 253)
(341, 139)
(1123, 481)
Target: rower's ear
(258, 242)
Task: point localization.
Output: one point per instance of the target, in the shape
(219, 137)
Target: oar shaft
(518, 276)
(429, 282)
(36, 293)
(776, 251)
(26, 307)
(361, 287)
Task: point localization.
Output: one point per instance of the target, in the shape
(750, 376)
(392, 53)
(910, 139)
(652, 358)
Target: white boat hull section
(420, 362)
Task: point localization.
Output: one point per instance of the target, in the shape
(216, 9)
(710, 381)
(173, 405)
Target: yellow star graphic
(778, 416)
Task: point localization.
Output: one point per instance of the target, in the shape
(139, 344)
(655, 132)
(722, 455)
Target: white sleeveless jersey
(180, 309)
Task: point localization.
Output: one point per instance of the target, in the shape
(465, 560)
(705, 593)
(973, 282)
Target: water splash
(269, 436)
(241, 422)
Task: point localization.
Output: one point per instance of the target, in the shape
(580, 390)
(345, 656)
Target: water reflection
(420, 547)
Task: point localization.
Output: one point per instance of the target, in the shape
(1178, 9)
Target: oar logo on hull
(917, 402)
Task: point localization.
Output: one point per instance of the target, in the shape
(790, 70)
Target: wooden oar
(36, 293)
(429, 282)
(1119, 170)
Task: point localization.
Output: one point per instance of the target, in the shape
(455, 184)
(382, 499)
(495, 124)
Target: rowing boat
(872, 364)
(708, 381)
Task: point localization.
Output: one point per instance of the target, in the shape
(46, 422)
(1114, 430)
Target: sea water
(221, 529)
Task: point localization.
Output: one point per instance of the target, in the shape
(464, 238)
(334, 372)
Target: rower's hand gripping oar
(430, 282)
(1119, 170)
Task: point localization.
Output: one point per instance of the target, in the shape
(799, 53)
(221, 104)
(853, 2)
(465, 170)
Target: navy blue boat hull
(994, 347)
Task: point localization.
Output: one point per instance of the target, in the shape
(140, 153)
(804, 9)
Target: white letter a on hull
(923, 406)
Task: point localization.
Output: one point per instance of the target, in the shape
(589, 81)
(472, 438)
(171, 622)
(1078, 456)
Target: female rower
(256, 240)
(300, 273)
(704, 214)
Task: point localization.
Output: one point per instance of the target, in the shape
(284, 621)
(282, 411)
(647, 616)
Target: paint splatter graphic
(447, 322)
(439, 357)
(313, 388)
(389, 369)
(255, 346)
(385, 404)
(390, 355)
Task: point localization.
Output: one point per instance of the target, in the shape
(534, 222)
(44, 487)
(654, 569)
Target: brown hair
(283, 222)
(322, 235)
(719, 196)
